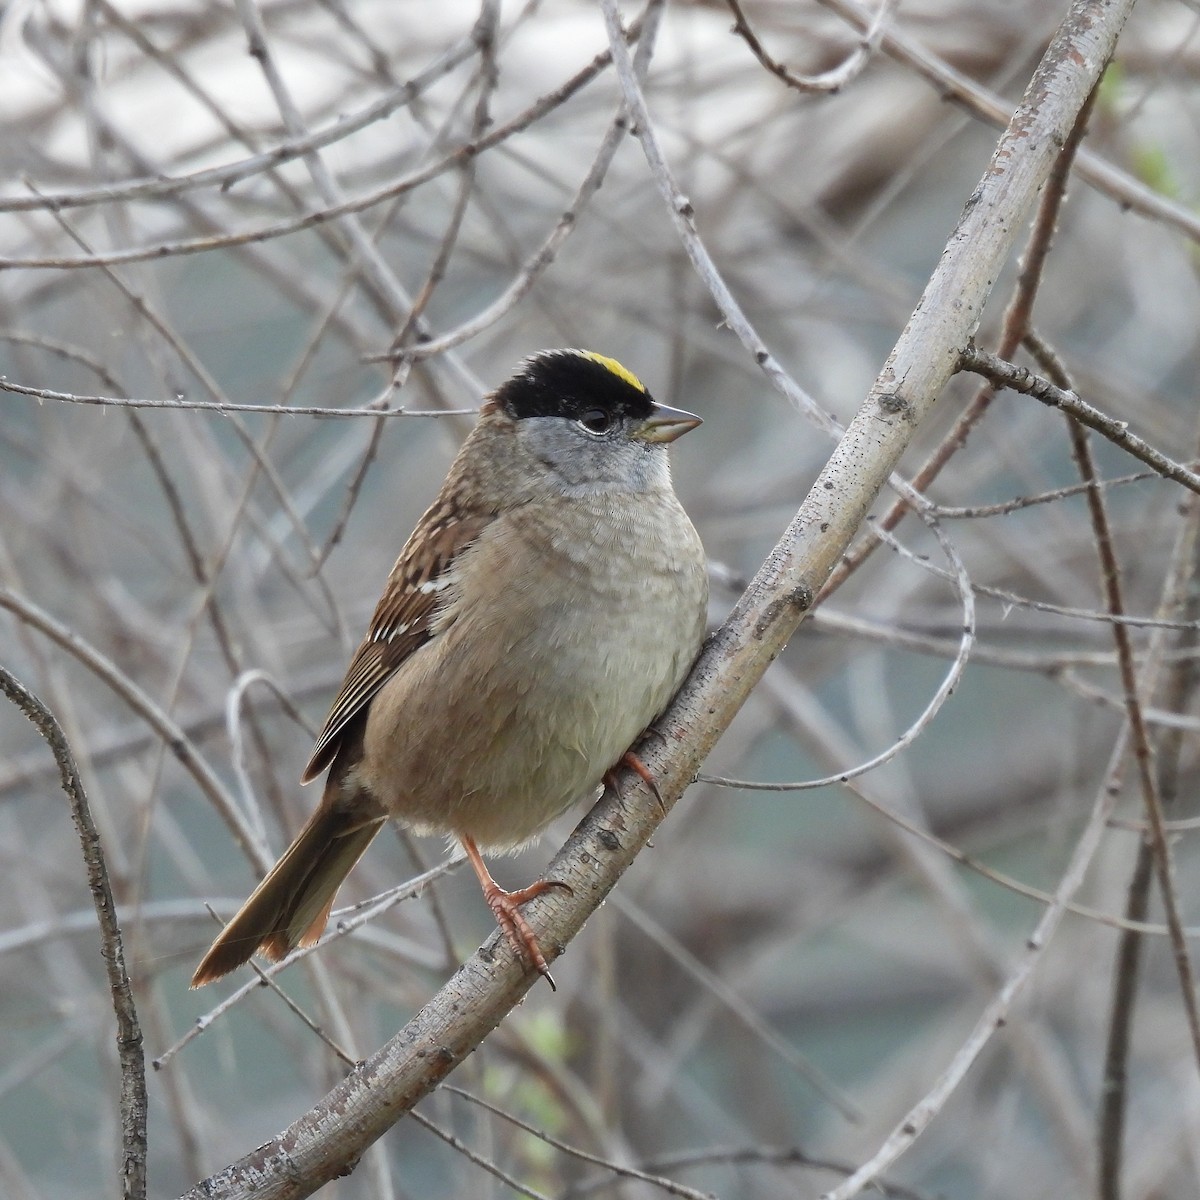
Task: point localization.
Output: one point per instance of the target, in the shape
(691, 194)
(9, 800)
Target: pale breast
(519, 705)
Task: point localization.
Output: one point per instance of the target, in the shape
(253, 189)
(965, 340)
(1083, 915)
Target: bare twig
(1143, 755)
(1016, 324)
(180, 745)
(222, 407)
(408, 183)
(129, 1034)
(345, 922)
(956, 86)
(230, 173)
(1182, 682)
(1021, 379)
(835, 78)
(1157, 844)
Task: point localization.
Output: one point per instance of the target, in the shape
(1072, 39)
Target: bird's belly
(538, 711)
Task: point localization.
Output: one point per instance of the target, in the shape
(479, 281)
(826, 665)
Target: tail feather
(292, 904)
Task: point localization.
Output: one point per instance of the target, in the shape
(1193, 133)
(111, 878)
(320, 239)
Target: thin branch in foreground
(345, 921)
(484, 1164)
(975, 512)
(129, 1034)
(223, 408)
(1021, 379)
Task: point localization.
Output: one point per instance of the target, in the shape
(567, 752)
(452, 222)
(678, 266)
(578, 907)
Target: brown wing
(403, 618)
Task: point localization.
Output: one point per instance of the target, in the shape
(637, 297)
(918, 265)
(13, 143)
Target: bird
(542, 614)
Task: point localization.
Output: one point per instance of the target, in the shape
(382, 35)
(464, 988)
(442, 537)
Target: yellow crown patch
(616, 368)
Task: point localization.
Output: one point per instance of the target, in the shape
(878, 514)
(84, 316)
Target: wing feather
(403, 620)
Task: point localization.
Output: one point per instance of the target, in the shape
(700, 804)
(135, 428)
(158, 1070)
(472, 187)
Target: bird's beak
(665, 424)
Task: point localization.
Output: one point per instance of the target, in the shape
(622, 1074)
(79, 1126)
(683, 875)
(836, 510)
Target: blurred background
(782, 974)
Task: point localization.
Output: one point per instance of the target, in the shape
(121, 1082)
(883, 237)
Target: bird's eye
(596, 420)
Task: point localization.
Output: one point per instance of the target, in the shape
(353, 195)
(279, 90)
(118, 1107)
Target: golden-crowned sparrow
(543, 612)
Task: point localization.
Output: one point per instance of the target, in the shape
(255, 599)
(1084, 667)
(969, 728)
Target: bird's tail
(291, 905)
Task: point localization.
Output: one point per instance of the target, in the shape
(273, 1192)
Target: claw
(639, 768)
(506, 908)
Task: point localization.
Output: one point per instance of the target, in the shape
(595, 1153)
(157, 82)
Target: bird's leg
(639, 768)
(506, 909)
